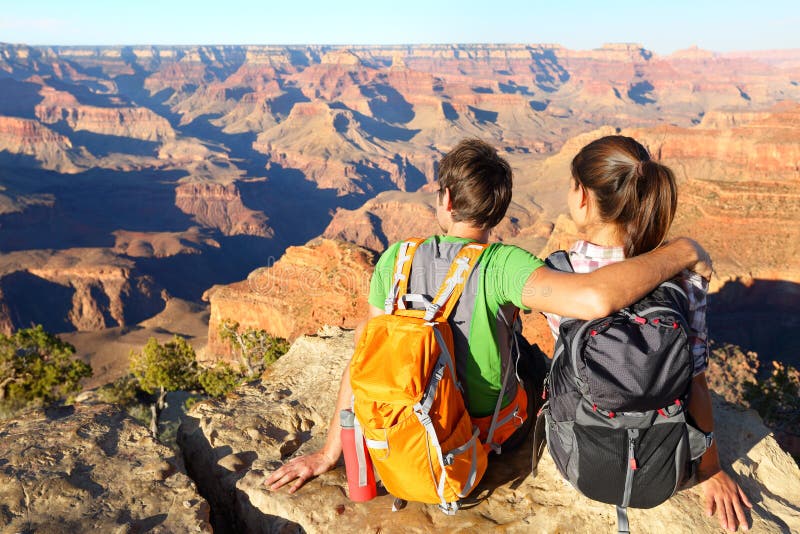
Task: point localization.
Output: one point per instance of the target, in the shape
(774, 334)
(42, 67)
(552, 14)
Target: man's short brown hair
(479, 180)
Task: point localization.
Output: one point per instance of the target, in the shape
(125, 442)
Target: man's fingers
(296, 471)
(730, 519)
(275, 475)
(709, 505)
(300, 481)
(287, 476)
(740, 515)
(744, 498)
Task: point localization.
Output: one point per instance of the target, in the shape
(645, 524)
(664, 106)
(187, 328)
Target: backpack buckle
(431, 309)
(449, 508)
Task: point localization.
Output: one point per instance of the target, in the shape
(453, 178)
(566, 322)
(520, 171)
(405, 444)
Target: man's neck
(467, 231)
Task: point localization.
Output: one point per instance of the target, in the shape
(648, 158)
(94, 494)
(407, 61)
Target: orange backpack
(406, 394)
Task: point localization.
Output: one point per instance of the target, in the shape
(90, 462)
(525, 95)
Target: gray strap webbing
(498, 406)
(490, 435)
(402, 257)
(473, 471)
(362, 460)
(414, 297)
(427, 424)
(677, 288)
(447, 357)
(539, 440)
(622, 521)
(450, 285)
(430, 391)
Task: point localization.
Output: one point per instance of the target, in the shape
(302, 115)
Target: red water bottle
(357, 463)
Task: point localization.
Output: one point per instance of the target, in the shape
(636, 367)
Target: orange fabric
(502, 433)
(390, 370)
(389, 373)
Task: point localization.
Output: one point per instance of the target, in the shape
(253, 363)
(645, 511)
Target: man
(474, 193)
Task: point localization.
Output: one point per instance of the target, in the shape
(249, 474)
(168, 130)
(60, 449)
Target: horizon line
(399, 45)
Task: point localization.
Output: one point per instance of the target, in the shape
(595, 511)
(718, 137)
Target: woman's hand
(726, 498)
(298, 470)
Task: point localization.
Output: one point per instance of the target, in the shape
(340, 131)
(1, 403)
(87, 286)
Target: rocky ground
(92, 468)
(231, 446)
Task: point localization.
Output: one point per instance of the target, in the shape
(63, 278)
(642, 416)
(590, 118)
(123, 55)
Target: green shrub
(220, 380)
(122, 391)
(37, 368)
(777, 398)
(255, 347)
(168, 367)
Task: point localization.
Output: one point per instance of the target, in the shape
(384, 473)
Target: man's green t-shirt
(503, 271)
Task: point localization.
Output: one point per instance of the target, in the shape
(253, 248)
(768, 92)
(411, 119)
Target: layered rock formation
(27, 137)
(323, 282)
(92, 469)
(161, 244)
(232, 446)
(220, 206)
(113, 119)
(88, 289)
(393, 216)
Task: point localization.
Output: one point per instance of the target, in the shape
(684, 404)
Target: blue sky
(662, 26)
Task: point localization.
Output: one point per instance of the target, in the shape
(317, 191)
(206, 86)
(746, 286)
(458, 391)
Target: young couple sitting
(624, 202)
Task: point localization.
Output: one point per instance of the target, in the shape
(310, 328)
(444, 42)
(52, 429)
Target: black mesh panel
(602, 462)
(636, 368)
(654, 481)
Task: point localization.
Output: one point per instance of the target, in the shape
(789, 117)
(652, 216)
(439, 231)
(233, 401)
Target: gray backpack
(614, 420)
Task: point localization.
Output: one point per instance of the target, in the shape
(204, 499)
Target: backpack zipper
(633, 433)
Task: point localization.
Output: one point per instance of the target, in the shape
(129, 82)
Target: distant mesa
(341, 57)
(695, 53)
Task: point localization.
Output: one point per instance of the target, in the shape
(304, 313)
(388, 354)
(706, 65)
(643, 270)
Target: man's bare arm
(610, 288)
(298, 470)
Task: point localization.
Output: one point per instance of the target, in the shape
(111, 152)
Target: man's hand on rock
(298, 470)
(726, 498)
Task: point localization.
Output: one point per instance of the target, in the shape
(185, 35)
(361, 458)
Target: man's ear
(446, 201)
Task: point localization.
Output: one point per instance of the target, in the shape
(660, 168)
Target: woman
(624, 202)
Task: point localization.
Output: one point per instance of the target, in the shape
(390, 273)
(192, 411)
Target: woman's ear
(584, 198)
(579, 201)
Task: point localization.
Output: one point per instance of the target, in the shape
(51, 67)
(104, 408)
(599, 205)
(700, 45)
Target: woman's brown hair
(633, 191)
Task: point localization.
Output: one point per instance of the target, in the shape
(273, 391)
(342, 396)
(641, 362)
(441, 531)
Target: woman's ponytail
(631, 190)
(656, 199)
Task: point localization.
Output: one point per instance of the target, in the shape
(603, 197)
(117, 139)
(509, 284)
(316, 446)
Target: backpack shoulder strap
(402, 268)
(539, 439)
(453, 285)
(559, 261)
